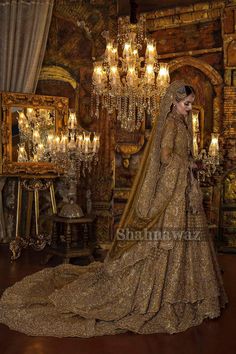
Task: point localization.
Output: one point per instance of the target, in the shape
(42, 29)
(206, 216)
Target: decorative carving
(36, 184)
(181, 16)
(127, 151)
(38, 244)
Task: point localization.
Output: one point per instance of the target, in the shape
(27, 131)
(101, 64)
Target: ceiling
(153, 5)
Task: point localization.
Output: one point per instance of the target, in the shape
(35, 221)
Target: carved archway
(213, 76)
(57, 73)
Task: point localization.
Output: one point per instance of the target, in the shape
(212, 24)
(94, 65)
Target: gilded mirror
(28, 122)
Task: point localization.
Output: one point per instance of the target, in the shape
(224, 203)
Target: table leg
(68, 235)
(53, 199)
(19, 243)
(54, 235)
(86, 236)
(29, 213)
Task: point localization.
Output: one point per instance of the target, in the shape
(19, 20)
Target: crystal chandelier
(74, 146)
(40, 143)
(129, 80)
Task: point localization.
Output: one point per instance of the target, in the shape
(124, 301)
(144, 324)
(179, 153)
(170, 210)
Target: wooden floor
(212, 337)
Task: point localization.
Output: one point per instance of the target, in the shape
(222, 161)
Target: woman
(161, 274)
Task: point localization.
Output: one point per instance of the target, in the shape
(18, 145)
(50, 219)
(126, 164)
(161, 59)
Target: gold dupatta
(136, 213)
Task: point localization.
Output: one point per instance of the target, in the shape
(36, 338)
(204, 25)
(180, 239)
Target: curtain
(24, 27)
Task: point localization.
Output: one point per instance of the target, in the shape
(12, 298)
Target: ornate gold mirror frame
(11, 104)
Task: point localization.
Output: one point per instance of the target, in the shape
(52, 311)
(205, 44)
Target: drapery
(24, 27)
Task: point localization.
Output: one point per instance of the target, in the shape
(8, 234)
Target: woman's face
(185, 105)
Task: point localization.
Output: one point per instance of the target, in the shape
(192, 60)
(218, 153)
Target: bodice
(183, 137)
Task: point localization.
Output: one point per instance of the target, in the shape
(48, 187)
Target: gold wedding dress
(145, 286)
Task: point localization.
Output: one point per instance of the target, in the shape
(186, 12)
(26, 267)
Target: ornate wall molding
(215, 79)
(181, 16)
(199, 64)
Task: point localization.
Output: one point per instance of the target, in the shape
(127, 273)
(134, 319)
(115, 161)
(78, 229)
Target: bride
(161, 273)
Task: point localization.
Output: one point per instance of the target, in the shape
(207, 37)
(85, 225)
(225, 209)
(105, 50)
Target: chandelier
(129, 80)
(40, 143)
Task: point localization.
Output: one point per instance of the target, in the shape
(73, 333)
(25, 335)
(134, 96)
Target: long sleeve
(169, 171)
(167, 141)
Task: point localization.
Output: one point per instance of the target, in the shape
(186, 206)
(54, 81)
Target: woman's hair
(184, 92)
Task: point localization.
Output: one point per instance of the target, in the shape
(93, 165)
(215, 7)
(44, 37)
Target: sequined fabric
(154, 286)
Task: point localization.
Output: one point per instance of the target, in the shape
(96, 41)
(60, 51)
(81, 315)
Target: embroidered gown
(155, 286)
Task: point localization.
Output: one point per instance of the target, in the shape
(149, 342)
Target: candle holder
(210, 160)
(76, 151)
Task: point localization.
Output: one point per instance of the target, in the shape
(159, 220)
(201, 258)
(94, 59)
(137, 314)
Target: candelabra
(210, 160)
(126, 81)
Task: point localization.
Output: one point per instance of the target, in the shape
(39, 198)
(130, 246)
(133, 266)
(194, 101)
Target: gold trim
(59, 104)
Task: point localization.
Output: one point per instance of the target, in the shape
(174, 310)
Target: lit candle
(108, 51)
(35, 158)
(21, 120)
(63, 143)
(22, 155)
(30, 113)
(95, 143)
(22, 115)
(57, 142)
(150, 74)
(80, 141)
(86, 143)
(214, 146)
(163, 77)
(150, 51)
(40, 150)
(195, 146)
(50, 140)
(114, 77)
(72, 121)
(36, 136)
(99, 75)
(195, 122)
(127, 49)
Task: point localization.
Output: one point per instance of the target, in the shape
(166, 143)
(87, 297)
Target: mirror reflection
(31, 129)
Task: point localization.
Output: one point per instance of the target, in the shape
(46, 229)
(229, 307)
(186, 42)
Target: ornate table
(72, 238)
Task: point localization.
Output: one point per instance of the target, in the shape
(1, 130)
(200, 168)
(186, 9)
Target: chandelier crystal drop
(129, 80)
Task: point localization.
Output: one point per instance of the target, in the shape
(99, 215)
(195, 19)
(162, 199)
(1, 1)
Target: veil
(135, 215)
